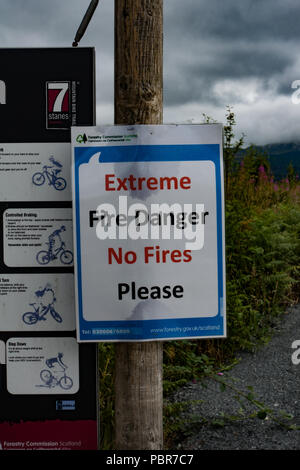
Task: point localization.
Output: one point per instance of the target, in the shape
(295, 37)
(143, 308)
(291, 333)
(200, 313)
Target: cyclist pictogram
(56, 249)
(49, 173)
(41, 308)
(56, 377)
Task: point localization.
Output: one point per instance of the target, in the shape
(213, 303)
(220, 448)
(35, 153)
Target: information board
(149, 232)
(47, 381)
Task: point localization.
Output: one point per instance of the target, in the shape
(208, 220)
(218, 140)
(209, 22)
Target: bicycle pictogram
(49, 173)
(41, 309)
(56, 377)
(56, 249)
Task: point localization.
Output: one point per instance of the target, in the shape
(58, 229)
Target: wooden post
(138, 100)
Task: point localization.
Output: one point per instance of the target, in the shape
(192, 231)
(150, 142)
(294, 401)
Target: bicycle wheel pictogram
(38, 179)
(43, 257)
(59, 184)
(30, 318)
(48, 378)
(66, 382)
(66, 257)
(55, 315)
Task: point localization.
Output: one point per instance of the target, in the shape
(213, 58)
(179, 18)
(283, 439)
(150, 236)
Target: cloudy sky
(242, 53)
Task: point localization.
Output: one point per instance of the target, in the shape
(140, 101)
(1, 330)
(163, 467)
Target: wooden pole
(138, 100)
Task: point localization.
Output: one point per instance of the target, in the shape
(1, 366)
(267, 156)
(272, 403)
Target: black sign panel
(47, 380)
(45, 90)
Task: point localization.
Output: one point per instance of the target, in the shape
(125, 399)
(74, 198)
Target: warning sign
(149, 231)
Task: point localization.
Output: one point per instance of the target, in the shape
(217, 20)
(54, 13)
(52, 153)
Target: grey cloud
(234, 20)
(196, 79)
(206, 42)
(56, 19)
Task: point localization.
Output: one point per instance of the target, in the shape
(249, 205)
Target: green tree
(231, 147)
(291, 174)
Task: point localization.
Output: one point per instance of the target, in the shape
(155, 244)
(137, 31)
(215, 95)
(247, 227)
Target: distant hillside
(280, 156)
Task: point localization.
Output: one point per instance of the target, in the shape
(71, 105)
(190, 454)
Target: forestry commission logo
(2, 92)
(81, 139)
(58, 105)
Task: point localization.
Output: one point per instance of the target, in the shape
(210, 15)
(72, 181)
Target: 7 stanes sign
(58, 105)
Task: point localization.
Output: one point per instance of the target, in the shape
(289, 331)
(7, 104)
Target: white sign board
(148, 223)
(40, 170)
(38, 366)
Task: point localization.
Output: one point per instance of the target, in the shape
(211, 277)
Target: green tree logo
(81, 138)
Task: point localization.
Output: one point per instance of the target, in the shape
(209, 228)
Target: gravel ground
(276, 383)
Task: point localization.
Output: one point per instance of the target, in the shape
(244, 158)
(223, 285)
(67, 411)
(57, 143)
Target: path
(276, 383)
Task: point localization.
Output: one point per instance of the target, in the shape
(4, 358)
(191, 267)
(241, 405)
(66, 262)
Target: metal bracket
(85, 22)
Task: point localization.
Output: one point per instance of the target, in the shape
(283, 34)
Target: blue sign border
(141, 330)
